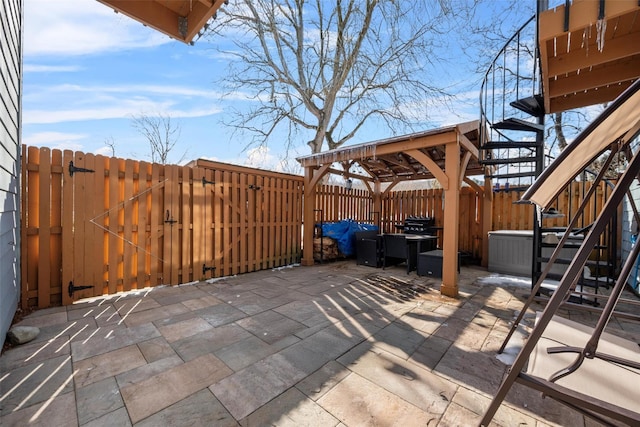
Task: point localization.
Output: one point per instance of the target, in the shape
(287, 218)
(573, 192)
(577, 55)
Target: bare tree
(111, 143)
(161, 133)
(323, 69)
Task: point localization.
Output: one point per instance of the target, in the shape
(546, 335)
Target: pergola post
(449, 285)
(309, 217)
(377, 204)
(312, 175)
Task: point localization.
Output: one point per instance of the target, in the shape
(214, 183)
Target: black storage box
(368, 248)
(430, 263)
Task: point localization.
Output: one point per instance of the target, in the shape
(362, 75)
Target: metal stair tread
(513, 123)
(508, 160)
(511, 175)
(515, 145)
(532, 105)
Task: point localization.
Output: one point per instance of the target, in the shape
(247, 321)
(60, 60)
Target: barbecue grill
(421, 225)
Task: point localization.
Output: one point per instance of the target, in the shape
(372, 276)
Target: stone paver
(59, 411)
(105, 340)
(290, 409)
(35, 383)
(356, 401)
(201, 409)
(106, 365)
(155, 393)
(406, 380)
(249, 389)
(98, 399)
(329, 345)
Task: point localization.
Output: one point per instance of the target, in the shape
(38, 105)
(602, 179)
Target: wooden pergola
(448, 154)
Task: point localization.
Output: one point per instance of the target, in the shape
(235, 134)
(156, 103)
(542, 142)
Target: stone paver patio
(329, 345)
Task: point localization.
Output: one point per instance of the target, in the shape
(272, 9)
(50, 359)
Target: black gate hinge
(72, 288)
(205, 269)
(73, 169)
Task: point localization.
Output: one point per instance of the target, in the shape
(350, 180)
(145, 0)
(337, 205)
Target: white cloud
(262, 158)
(93, 102)
(55, 140)
(34, 68)
(128, 89)
(78, 27)
(104, 151)
(123, 111)
(51, 138)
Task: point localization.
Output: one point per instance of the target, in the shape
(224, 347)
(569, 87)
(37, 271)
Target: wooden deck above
(586, 60)
(179, 19)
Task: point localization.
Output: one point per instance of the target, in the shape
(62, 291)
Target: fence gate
(93, 225)
(114, 237)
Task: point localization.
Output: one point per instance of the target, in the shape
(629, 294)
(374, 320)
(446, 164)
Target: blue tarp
(343, 231)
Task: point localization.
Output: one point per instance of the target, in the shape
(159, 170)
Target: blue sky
(87, 70)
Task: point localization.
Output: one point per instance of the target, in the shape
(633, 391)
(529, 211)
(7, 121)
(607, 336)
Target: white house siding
(11, 14)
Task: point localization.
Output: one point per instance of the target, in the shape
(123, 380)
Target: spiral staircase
(578, 54)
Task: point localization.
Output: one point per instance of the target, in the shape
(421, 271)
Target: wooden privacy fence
(509, 215)
(335, 203)
(93, 225)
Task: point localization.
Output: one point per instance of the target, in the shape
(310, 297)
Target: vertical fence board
(80, 219)
(266, 222)
(44, 227)
(186, 203)
(243, 229)
(56, 225)
(233, 240)
(252, 229)
(273, 236)
(218, 203)
(260, 224)
(208, 211)
(128, 266)
(92, 245)
(174, 227)
(199, 223)
(156, 213)
(67, 226)
(24, 239)
(225, 224)
(278, 223)
(113, 241)
(142, 239)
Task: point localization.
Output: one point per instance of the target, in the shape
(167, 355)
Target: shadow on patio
(322, 345)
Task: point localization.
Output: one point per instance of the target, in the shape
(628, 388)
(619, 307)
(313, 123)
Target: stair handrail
(485, 123)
